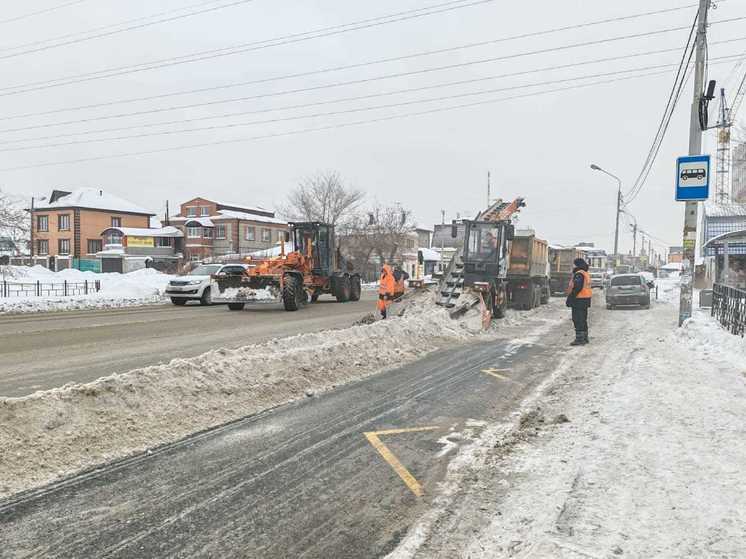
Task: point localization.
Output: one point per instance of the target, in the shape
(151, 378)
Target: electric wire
(667, 112)
(296, 132)
(41, 12)
(319, 103)
(339, 68)
(66, 40)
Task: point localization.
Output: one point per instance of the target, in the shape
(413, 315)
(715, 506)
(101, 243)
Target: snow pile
(55, 432)
(668, 289)
(245, 294)
(704, 334)
(146, 286)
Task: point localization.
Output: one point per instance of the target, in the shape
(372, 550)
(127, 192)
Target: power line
(41, 12)
(667, 112)
(124, 70)
(227, 51)
(339, 84)
(347, 67)
(117, 31)
(316, 129)
(312, 104)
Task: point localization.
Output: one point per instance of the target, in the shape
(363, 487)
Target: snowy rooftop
(713, 209)
(145, 232)
(233, 214)
(96, 199)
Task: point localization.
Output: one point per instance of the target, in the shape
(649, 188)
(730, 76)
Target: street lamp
(618, 207)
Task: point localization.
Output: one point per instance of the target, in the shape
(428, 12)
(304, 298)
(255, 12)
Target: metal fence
(729, 307)
(48, 289)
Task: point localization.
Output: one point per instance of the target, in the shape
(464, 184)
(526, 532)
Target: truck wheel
(291, 293)
(178, 301)
(344, 287)
(499, 308)
(206, 298)
(236, 306)
(356, 288)
(544, 296)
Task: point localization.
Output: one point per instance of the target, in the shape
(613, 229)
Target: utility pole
(618, 209)
(634, 239)
(489, 188)
(695, 148)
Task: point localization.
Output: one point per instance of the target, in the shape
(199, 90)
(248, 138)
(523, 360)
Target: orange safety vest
(386, 287)
(586, 292)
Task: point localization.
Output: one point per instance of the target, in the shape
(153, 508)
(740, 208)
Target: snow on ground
(141, 287)
(645, 456)
(52, 433)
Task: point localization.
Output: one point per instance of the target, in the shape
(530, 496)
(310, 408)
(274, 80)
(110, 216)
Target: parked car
(598, 278)
(628, 289)
(195, 286)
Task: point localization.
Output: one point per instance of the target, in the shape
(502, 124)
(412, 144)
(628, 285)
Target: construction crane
(725, 123)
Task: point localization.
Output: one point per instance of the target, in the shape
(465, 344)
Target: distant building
(213, 228)
(738, 174)
(67, 226)
(132, 248)
(424, 237)
(675, 254)
(442, 236)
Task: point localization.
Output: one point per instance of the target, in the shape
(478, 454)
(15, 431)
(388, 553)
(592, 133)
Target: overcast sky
(537, 146)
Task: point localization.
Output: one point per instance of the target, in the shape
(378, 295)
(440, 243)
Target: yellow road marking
(496, 373)
(409, 480)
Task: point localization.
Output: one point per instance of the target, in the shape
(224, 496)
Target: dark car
(626, 290)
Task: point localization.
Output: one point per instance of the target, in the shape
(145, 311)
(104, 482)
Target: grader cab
(313, 267)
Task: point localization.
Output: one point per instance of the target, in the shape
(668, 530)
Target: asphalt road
(48, 350)
(298, 481)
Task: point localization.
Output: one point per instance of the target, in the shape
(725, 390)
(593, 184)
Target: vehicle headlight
(195, 282)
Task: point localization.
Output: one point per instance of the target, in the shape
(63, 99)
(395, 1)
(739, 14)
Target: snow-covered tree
(322, 197)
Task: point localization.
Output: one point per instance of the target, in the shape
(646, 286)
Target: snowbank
(53, 433)
(141, 287)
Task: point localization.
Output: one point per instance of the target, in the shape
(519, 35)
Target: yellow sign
(141, 242)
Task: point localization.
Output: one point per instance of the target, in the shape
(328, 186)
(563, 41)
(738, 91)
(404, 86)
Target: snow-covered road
(638, 449)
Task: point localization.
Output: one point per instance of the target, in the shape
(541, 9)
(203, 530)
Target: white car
(196, 285)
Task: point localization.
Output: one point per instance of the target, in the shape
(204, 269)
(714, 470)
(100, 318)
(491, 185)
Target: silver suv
(628, 289)
(197, 285)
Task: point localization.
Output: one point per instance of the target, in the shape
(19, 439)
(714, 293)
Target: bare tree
(323, 197)
(14, 220)
(381, 234)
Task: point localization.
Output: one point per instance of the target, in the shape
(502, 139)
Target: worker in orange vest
(579, 294)
(400, 277)
(386, 288)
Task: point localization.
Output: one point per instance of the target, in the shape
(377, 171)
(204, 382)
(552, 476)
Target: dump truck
(528, 271)
(561, 265)
(313, 268)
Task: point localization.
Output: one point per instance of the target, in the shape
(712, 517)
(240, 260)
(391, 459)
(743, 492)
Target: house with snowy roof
(68, 225)
(212, 228)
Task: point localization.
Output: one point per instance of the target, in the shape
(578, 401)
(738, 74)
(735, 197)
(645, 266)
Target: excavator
(314, 267)
(481, 265)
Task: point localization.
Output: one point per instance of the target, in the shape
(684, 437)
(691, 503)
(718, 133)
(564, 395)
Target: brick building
(67, 226)
(216, 228)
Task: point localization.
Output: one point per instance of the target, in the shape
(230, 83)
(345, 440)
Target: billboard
(140, 242)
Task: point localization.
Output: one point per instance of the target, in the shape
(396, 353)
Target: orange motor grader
(313, 268)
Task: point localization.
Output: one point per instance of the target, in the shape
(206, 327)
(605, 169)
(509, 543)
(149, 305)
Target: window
(207, 232)
(281, 236)
(249, 233)
(204, 210)
(42, 223)
(63, 222)
(267, 235)
(63, 246)
(191, 212)
(163, 242)
(116, 221)
(94, 246)
(220, 231)
(42, 247)
(113, 238)
(194, 232)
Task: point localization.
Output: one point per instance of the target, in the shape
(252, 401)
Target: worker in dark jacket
(579, 294)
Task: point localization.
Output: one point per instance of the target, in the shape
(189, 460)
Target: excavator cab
(316, 240)
(485, 248)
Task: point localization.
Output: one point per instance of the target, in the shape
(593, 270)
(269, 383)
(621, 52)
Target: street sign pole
(695, 148)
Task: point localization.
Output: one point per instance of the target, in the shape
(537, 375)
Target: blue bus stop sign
(693, 178)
